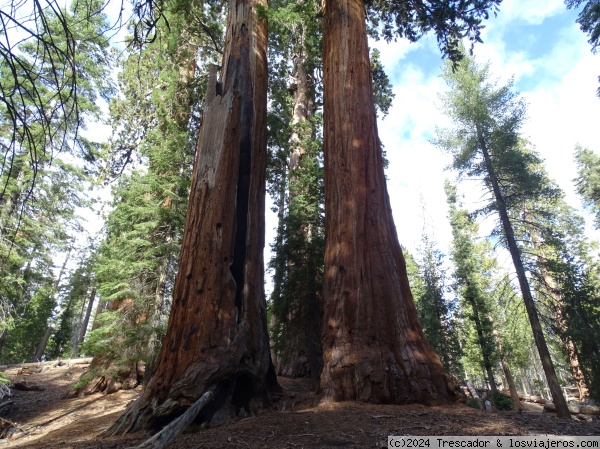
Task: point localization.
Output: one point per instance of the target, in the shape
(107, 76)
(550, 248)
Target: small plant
(3, 379)
(501, 402)
(472, 402)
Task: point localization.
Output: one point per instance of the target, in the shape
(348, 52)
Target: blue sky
(539, 44)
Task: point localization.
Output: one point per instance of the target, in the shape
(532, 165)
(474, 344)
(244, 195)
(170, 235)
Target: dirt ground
(294, 422)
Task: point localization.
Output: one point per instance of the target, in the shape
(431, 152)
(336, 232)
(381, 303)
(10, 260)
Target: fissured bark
(217, 332)
(374, 347)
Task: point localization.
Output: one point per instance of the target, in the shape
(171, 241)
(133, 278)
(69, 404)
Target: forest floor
(293, 422)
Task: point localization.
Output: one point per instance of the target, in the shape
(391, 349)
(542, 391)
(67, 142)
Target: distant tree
(470, 279)
(436, 311)
(295, 178)
(589, 21)
(558, 256)
(588, 179)
(485, 143)
(47, 162)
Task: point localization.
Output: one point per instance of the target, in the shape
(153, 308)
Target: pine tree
(40, 196)
(485, 142)
(295, 176)
(436, 311)
(470, 283)
(588, 179)
(557, 255)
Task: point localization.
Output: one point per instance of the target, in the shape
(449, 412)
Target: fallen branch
(5, 405)
(175, 428)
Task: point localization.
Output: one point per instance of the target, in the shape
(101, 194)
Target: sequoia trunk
(374, 347)
(217, 332)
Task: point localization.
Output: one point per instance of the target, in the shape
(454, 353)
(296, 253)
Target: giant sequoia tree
(374, 347)
(217, 333)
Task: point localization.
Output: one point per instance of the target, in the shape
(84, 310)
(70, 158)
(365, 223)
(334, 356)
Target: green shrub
(472, 402)
(501, 402)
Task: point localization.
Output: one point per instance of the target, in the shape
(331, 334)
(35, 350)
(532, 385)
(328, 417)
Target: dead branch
(175, 428)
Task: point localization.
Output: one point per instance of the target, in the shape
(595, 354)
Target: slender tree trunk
(217, 333)
(562, 410)
(49, 329)
(514, 395)
(561, 323)
(558, 313)
(102, 305)
(374, 347)
(88, 314)
(483, 344)
(42, 347)
(474, 394)
(76, 334)
(155, 313)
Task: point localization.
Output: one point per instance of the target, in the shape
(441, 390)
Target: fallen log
(589, 409)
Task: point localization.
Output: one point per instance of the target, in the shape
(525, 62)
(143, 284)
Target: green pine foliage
(588, 179)
(472, 285)
(547, 241)
(43, 181)
(437, 312)
(452, 21)
(295, 179)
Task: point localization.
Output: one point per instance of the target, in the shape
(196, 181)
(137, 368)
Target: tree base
(239, 395)
(104, 376)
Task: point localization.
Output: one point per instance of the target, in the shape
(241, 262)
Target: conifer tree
(39, 196)
(485, 142)
(470, 283)
(374, 347)
(295, 176)
(436, 312)
(557, 255)
(588, 179)
(216, 344)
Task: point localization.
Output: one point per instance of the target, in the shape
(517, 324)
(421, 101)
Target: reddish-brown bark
(217, 333)
(374, 347)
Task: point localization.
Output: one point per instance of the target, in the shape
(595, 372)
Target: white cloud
(559, 87)
(532, 12)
